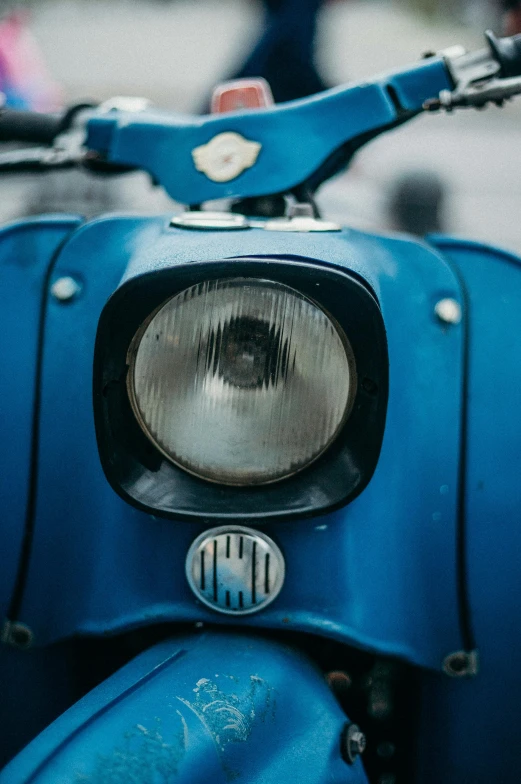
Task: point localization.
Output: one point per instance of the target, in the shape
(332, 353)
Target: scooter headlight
(241, 381)
(239, 390)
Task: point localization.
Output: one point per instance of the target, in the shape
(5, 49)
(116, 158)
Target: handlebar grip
(30, 127)
(507, 52)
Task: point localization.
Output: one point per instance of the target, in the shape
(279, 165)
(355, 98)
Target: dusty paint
(229, 718)
(145, 757)
(148, 755)
(220, 713)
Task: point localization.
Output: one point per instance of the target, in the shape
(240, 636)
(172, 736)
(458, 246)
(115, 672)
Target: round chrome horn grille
(235, 570)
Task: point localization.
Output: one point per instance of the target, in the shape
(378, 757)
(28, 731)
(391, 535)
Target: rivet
(65, 289)
(448, 310)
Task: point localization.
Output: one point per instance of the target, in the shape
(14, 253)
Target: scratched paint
(146, 756)
(149, 755)
(229, 718)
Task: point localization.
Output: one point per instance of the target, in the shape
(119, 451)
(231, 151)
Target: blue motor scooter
(259, 473)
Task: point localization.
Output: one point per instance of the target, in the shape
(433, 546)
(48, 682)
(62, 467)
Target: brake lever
(490, 75)
(476, 96)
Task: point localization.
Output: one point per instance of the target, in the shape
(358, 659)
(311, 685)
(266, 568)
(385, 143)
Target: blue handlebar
(295, 138)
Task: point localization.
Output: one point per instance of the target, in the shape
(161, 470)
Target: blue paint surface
(26, 251)
(379, 574)
(209, 707)
(162, 143)
(471, 731)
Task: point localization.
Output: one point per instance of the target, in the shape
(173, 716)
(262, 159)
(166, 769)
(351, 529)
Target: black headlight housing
(141, 474)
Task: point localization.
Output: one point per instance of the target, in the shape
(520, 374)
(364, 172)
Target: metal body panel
(379, 574)
(27, 250)
(458, 742)
(162, 143)
(210, 707)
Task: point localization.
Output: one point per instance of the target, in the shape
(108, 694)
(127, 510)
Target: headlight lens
(241, 381)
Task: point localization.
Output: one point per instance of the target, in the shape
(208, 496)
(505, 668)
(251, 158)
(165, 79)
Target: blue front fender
(207, 707)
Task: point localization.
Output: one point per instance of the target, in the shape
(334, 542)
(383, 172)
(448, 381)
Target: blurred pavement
(174, 53)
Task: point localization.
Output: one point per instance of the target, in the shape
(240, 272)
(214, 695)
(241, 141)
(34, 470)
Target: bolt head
(65, 289)
(353, 743)
(448, 311)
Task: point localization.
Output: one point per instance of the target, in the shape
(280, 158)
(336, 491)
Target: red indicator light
(241, 94)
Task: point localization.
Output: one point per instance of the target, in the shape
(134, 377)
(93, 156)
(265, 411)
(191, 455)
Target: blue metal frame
(210, 707)
(477, 722)
(27, 251)
(384, 568)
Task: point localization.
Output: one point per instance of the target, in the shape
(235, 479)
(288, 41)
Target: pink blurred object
(24, 78)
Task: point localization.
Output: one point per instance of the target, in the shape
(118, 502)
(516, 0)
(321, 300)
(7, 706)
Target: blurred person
(285, 52)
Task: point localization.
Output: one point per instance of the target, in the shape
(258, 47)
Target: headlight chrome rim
(351, 381)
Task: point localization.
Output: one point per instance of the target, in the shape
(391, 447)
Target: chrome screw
(353, 743)
(448, 310)
(65, 289)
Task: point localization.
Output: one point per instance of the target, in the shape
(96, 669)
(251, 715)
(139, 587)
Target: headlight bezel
(145, 478)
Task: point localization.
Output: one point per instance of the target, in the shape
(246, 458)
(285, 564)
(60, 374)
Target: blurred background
(174, 51)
